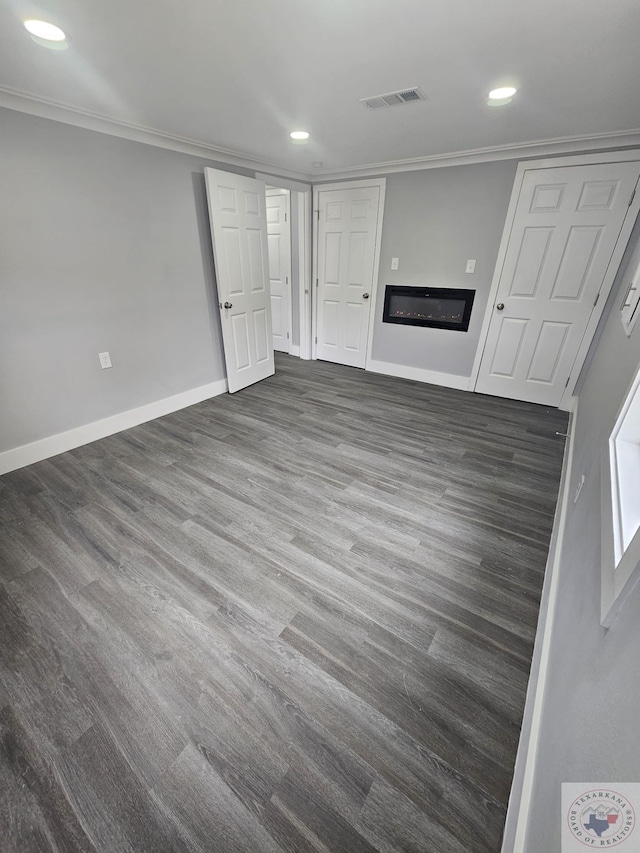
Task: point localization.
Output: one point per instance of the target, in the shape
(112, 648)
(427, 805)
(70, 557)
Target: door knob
(365, 295)
(228, 305)
(500, 306)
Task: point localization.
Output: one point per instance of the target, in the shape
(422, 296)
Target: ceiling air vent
(391, 99)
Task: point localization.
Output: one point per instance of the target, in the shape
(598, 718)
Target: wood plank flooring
(298, 618)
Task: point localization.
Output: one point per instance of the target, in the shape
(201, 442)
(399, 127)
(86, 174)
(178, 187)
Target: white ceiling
(240, 74)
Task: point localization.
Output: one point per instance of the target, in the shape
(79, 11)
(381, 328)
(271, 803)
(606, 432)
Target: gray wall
(590, 713)
(104, 245)
(433, 221)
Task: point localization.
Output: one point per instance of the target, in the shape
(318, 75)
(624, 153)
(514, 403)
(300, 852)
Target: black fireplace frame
(436, 293)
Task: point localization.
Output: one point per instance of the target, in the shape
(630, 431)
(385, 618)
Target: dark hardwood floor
(298, 618)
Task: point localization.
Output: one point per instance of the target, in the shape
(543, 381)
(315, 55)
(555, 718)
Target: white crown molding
(518, 151)
(13, 99)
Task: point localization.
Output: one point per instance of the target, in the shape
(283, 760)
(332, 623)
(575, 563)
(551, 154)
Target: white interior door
(347, 233)
(237, 214)
(279, 239)
(564, 232)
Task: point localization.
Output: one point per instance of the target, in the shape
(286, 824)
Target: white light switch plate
(105, 360)
(471, 265)
(394, 263)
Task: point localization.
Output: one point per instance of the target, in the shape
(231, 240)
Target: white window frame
(621, 507)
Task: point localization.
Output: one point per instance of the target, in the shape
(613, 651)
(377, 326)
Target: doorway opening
(288, 210)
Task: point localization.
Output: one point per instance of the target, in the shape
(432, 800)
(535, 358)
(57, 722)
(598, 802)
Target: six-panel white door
(565, 229)
(237, 213)
(347, 225)
(279, 237)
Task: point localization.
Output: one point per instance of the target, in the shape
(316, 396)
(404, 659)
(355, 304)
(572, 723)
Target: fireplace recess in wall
(436, 307)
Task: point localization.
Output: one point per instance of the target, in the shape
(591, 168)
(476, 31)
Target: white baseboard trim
(294, 350)
(419, 374)
(519, 808)
(36, 451)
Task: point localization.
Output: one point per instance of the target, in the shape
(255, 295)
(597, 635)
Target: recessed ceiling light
(501, 94)
(43, 30)
(299, 135)
(47, 35)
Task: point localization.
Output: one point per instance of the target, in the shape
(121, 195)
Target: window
(621, 507)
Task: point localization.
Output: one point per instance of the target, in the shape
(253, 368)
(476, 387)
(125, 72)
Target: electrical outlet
(578, 490)
(394, 263)
(471, 265)
(105, 360)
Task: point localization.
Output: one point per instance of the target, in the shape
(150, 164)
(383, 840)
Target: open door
(237, 214)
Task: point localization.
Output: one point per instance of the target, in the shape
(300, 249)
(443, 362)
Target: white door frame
(612, 269)
(303, 226)
(381, 183)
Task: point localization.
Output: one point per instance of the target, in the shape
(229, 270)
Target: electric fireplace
(435, 307)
